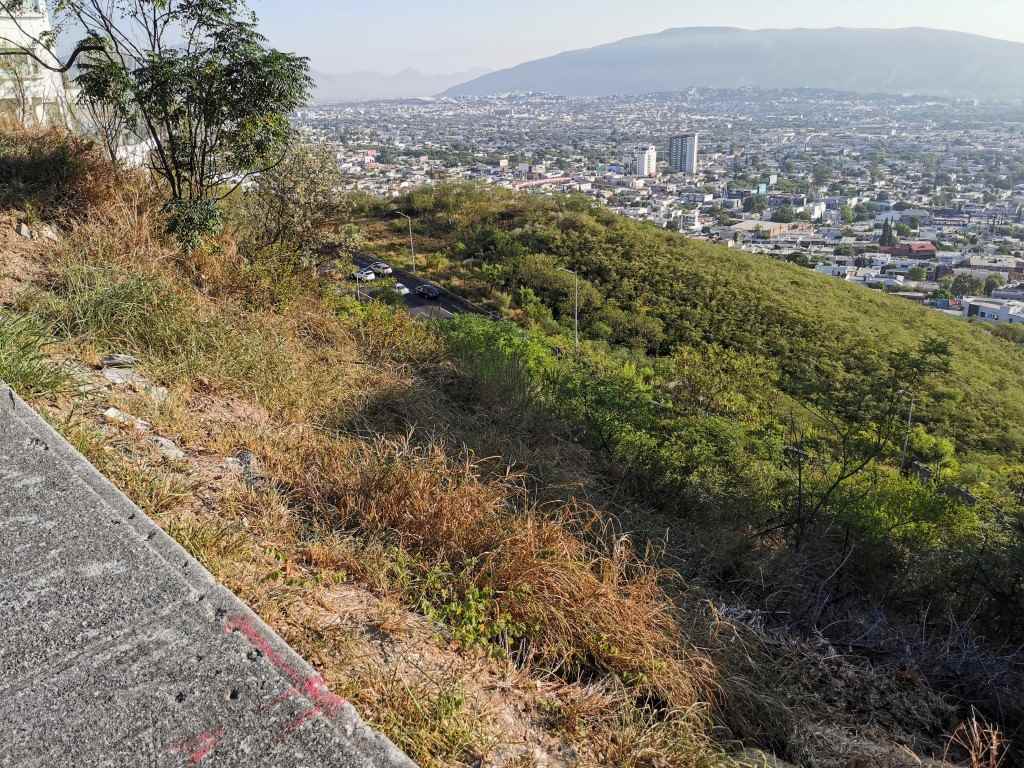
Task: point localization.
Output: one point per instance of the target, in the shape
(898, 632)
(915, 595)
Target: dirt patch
(21, 260)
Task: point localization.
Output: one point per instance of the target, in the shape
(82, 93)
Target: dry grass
(980, 742)
(557, 586)
(52, 174)
(365, 478)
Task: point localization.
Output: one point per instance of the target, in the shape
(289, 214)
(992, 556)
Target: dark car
(429, 292)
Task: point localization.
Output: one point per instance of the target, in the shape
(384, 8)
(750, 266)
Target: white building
(993, 310)
(684, 153)
(29, 91)
(643, 162)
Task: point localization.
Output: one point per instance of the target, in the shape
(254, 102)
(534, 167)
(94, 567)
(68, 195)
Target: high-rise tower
(684, 153)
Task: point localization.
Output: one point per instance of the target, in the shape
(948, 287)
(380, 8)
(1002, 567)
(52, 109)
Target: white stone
(123, 377)
(119, 418)
(168, 448)
(23, 230)
(119, 361)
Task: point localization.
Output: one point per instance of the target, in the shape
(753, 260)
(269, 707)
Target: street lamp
(412, 246)
(576, 282)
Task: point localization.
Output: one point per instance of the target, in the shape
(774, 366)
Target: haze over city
(444, 36)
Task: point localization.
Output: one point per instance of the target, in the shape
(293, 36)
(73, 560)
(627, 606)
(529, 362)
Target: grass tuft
(24, 365)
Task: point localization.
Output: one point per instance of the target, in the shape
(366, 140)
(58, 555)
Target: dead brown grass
(980, 742)
(54, 174)
(583, 602)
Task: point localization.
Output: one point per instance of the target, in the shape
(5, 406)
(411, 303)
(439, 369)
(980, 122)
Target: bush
(297, 205)
(53, 173)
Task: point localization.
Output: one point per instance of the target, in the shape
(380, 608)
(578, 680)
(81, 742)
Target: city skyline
(445, 36)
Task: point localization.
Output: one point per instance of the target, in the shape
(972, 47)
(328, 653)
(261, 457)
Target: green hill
(759, 410)
(650, 289)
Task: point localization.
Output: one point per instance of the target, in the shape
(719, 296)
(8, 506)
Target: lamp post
(576, 283)
(412, 246)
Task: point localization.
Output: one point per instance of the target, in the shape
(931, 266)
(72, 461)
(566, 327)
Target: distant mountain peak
(907, 60)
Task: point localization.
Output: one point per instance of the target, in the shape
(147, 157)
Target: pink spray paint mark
(312, 687)
(200, 747)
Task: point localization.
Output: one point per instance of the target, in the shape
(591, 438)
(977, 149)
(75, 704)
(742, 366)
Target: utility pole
(412, 246)
(910, 425)
(576, 283)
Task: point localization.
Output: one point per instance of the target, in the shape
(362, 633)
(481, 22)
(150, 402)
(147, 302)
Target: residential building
(643, 161)
(993, 310)
(684, 153)
(29, 91)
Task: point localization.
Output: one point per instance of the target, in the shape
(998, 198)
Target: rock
(23, 230)
(234, 466)
(159, 394)
(124, 377)
(168, 448)
(251, 474)
(119, 418)
(119, 361)
(49, 233)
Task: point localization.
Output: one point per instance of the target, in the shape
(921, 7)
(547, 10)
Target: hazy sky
(443, 36)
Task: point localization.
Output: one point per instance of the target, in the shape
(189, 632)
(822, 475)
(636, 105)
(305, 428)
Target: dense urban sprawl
(914, 195)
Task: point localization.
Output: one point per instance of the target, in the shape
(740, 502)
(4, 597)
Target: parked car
(381, 268)
(364, 275)
(429, 292)
(401, 290)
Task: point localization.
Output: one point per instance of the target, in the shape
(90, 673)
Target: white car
(364, 275)
(401, 290)
(381, 268)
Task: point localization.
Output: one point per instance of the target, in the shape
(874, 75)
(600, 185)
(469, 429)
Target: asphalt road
(445, 306)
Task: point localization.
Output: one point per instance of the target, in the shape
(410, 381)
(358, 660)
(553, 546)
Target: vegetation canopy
(193, 81)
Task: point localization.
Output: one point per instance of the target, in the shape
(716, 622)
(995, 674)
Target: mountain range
(367, 86)
(913, 60)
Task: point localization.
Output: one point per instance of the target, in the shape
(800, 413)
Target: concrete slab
(117, 648)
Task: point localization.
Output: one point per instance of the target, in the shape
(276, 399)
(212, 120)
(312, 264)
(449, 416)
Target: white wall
(34, 94)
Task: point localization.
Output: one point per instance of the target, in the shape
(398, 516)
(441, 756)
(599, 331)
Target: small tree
(992, 283)
(755, 204)
(299, 203)
(888, 238)
(784, 215)
(966, 285)
(196, 80)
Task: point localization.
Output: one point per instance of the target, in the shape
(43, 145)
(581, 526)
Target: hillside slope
(914, 60)
(415, 506)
